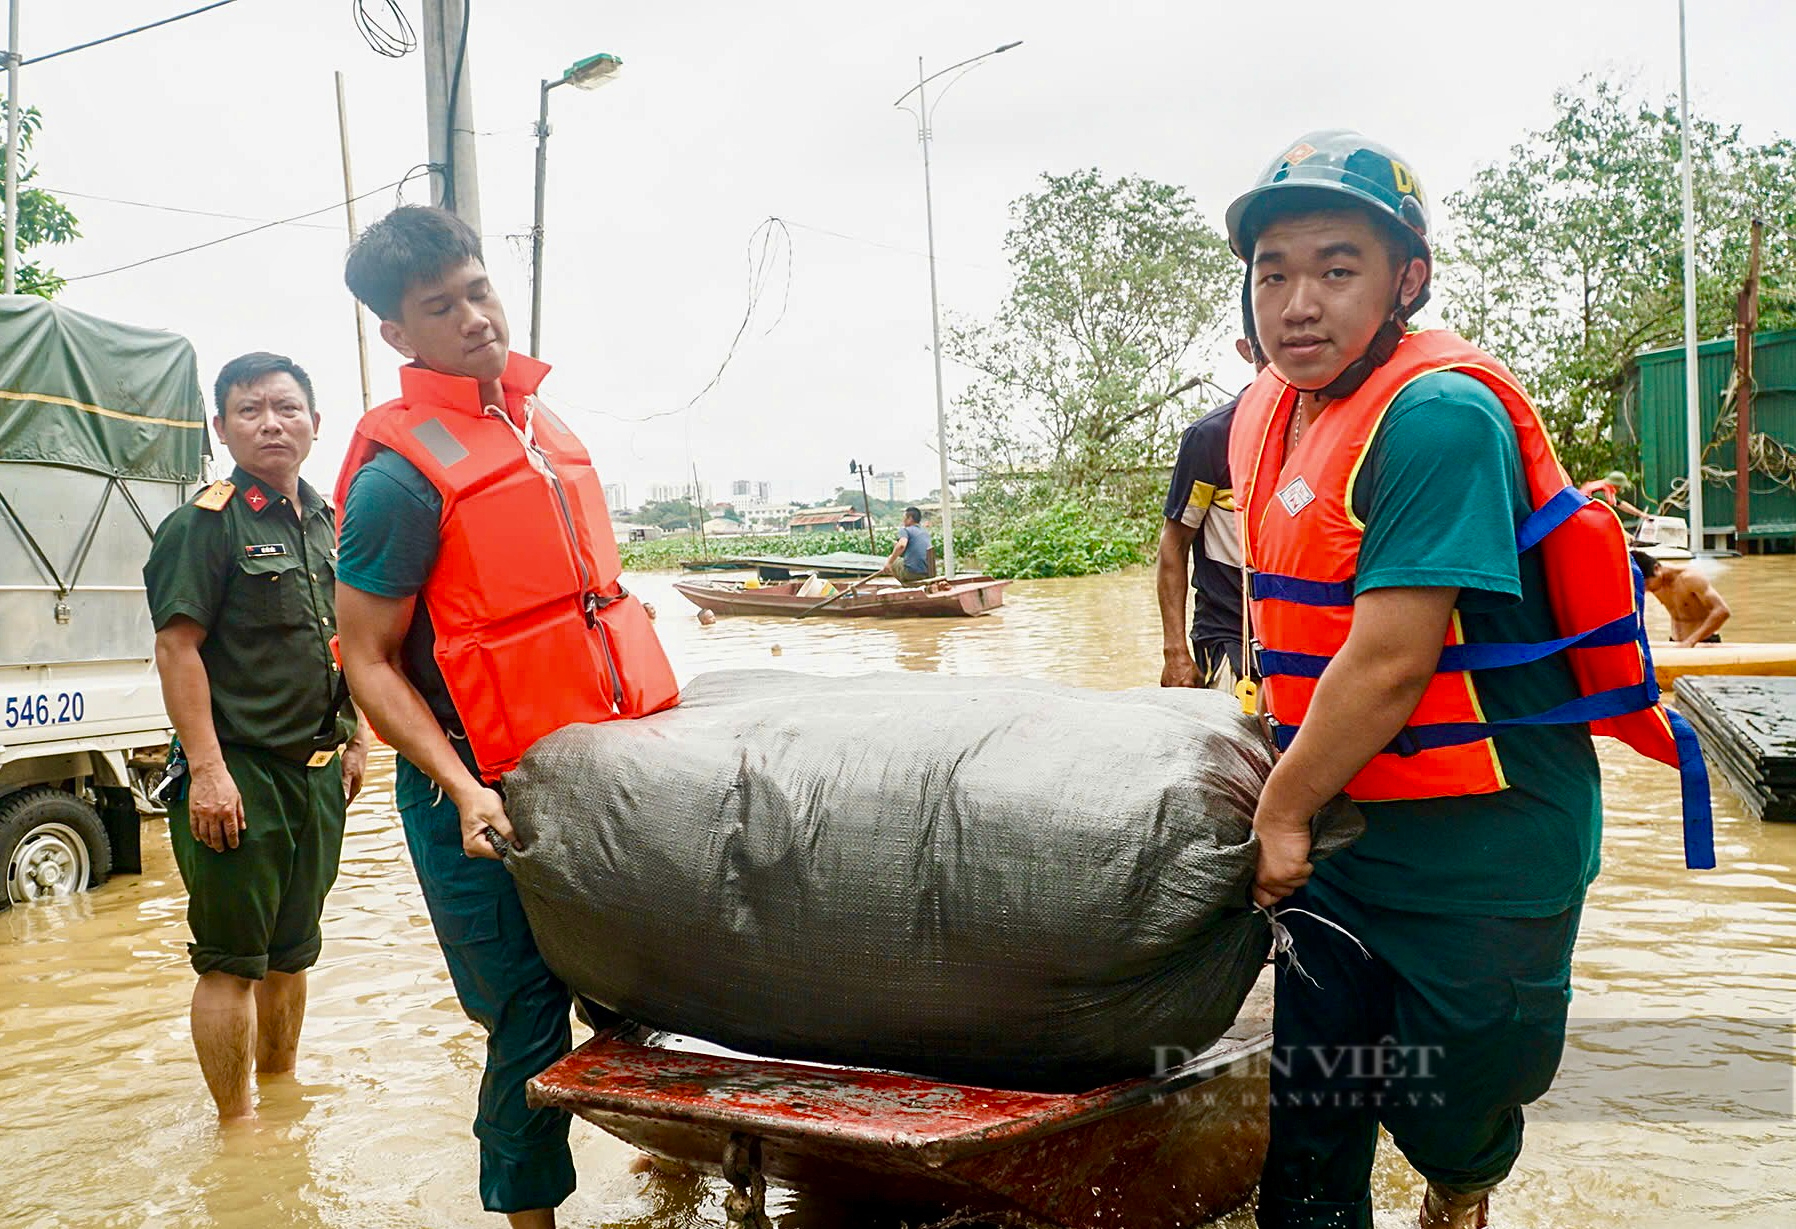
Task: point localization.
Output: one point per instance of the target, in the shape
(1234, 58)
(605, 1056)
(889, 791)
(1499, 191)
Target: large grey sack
(986, 880)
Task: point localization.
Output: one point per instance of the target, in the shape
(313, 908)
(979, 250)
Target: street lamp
(587, 74)
(923, 112)
(863, 469)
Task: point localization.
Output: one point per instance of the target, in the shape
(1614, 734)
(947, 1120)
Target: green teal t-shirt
(1441, 494)
(387, 546)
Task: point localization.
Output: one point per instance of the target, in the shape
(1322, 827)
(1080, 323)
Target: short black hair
(246, 369)
(915, 514)
(1645, 562)
(414, 243)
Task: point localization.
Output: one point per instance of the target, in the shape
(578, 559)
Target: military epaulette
(216, 496)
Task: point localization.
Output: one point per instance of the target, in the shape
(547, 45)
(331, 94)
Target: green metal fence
(1653, 416)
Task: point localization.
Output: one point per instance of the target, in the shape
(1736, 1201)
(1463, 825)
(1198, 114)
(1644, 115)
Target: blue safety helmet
(1341, 162)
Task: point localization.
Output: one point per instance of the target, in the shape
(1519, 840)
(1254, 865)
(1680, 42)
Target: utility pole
(451, 137)
(935, 332)
(924, 133)
(12, 146)
(536, 227)
(361, 332)
(1693, 432)
(1746, 323)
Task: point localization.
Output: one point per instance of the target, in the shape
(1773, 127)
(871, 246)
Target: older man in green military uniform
(241, 585)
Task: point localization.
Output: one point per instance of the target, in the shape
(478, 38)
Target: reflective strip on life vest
(437, 440)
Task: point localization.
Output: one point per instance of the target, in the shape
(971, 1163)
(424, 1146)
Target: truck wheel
(51, 844)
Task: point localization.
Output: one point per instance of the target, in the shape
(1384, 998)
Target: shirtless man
(1697, 610)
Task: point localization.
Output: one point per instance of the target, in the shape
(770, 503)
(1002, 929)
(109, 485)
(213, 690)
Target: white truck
(102, 434)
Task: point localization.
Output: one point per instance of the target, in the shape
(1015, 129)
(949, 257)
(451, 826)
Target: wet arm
(1362, 700)
(1172, 582)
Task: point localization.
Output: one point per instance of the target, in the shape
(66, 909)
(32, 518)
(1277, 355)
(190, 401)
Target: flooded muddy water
(1673, 1110)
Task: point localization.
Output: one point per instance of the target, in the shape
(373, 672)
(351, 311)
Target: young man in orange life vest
(1406, 528)
(479, 608)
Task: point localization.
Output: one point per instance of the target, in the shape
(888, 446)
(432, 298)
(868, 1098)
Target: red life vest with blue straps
(1300, 541)
(533, 629)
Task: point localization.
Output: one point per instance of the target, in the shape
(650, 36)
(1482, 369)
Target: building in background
(889, 485)
(617, 498)
(666, 492)
(765, 515)
(839, 519)
(963, 478)
(750, 490)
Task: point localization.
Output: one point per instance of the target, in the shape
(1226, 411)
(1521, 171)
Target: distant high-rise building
(666, 492)
(617, 498)
(890, 486)
(750, 490)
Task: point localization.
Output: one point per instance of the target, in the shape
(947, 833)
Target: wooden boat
(961, 596)
(1671, 662)
(836, 565)
(1165, 1152)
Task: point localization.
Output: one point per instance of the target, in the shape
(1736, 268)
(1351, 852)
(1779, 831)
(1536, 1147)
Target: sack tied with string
(995, 881)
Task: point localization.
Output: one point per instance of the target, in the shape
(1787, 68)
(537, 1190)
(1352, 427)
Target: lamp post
(1693, 433)
(923, 113)
(862, 468)
(10, 282)
(587, 74)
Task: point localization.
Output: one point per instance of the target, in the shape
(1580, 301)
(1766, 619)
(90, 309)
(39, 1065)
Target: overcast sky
(728, 113)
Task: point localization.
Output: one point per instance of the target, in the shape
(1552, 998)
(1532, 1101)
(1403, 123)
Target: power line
(394, 43)
(310, 213)
(766, 244)
(198, 213)
(39, 59)
(903, 251)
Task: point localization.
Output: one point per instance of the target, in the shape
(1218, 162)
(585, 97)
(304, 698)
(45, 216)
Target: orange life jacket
(1301, 541)
(533, 630)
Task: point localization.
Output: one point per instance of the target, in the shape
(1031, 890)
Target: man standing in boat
(240, 588)
(1381, 479)
(480, 609)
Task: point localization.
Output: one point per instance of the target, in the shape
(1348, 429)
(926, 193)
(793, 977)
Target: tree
(1566, 259)
(1118, 290)
(42, 218)
(666, 514)
(1117, 287)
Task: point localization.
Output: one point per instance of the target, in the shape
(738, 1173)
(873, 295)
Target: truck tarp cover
(985, 880)
(84, 392)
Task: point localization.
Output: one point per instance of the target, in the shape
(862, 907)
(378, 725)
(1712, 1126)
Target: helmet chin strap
(1356, 373)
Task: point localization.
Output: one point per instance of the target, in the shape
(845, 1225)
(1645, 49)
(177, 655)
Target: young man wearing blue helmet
(1380, 480)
